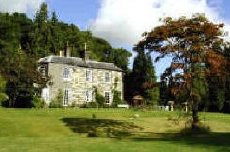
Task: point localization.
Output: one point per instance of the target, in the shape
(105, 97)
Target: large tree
(195, 46)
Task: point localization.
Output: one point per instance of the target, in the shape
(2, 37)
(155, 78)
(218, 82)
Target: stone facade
(79, 79)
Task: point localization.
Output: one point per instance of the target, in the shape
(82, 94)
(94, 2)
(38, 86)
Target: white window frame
(45, 94)
(67, 74)
(89, 75)
(107, 77)
(66, 97)
(110, 97)
(88, 95)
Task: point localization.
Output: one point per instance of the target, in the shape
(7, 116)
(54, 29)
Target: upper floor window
(66, 73)
(107, 77)
(89, 75)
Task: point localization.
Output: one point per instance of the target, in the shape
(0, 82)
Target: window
(107, 97)
(88, 95)
(45, 94)
(107, 77)
(43, 70)
(66, 73)
(89, 75)
(66, 97)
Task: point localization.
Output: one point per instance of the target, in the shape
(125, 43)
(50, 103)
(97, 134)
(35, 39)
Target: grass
(58, 130)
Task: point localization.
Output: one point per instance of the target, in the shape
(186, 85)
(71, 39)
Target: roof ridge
(77, 61)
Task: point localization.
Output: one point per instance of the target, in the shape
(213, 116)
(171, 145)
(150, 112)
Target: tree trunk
(195, 117)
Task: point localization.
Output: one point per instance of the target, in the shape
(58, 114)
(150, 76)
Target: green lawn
(54, 130)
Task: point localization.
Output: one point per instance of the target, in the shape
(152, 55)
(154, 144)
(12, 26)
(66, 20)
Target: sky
(121, 22)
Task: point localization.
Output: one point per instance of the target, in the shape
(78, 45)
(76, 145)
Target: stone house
(79, 78)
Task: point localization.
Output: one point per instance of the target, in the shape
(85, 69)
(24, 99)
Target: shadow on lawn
(219, 140)
(101, 127)
(126, 130)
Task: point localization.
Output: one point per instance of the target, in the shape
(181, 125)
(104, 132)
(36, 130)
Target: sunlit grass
(53, 130)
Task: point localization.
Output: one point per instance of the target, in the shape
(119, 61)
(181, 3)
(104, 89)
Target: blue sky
(79, 12)
(82, 12)
(121, 22)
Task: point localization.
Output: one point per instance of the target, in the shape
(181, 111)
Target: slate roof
(75, 61)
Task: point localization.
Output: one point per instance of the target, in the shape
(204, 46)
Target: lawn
(63, 130)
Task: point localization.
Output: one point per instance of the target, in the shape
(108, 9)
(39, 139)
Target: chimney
(61, 53)
(68, 50)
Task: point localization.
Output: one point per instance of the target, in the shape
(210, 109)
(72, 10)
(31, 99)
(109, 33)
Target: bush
(38, 102)
(3, 96)
(91, 105)
(58, 101)
(100, 100)
(116, 98)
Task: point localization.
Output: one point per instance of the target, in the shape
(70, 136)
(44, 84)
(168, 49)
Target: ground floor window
(45, 94)
(66, 97)
(89, 95)
(107, 97)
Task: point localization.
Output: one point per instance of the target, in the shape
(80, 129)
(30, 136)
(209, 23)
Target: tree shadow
(118, 129)
(220, 140)
(101, 127)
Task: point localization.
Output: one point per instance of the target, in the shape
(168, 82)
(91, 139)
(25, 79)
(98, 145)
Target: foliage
(3, 96)
(57, 102)
(152, 96)
(116, 98)
(195, 47)
(38, 102)
(23, 41)
(119, 57)
(143, 77)
(100, 99)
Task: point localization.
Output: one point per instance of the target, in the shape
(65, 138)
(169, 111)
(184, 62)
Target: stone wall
(77, 84)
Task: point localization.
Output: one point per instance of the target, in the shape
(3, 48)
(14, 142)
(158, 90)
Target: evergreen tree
(42, 32)
(144, 79)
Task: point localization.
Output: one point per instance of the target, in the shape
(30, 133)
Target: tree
(119, 56)
(190, 42)
(143, 77)
(42, 32)
(23, 41)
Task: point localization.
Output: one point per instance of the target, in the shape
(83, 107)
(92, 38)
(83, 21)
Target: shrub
(91, 105)
(38, 102)
(100, 100)
(116, 98)
(57, 102)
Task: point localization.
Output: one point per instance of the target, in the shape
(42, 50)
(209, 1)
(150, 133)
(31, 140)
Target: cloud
(22, 6)
(122, 22)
